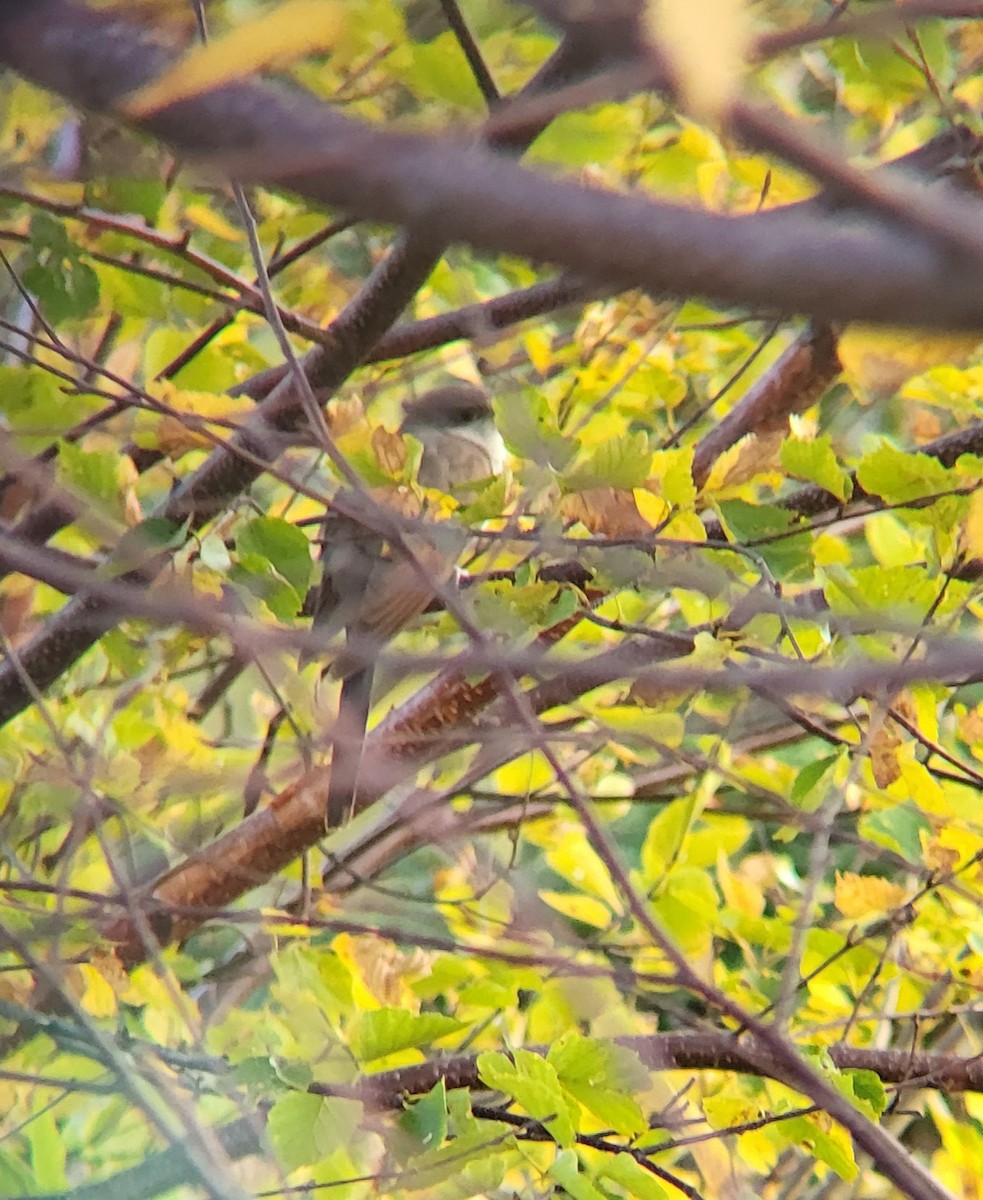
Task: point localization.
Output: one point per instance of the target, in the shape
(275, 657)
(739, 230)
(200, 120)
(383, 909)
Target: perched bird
(371, 590)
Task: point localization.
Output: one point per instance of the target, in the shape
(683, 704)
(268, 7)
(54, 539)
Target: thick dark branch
(710, 1051)
(832, 266)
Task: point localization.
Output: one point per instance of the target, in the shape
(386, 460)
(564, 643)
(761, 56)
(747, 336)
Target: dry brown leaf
(940, 858)
(755, 453)
(606, 510)
(390, 450)
(884, 756)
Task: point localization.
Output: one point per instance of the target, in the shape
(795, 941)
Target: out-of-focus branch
(810, 262)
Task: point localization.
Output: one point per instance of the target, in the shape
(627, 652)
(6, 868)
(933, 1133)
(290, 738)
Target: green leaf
(896, 476)
(426, 1119)
(472, 1163)
(867, 1088)
(748, 522)
(769, 530)
(567, 1172)
(615, 1110)
(214, 554)
(66, 286)
(815, 462)
(305, 1129)
(530, 431)
(596, 1060)
(899, 828)
(16, 1178)
(828, 1147)
(574, 139)
(901, 591)
(532, 1082)
(34, 405)
(97, 473)
(503, 608)
(622, 463)
(47, 1151)
(438, 70)
(627, 1172)
(808, 777)
(384, 1031)
(143, 541)
(283, 546)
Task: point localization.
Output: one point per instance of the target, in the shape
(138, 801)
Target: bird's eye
(467, 416)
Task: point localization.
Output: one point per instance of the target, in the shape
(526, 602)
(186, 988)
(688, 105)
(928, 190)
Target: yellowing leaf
(862, 896)
(739, 891)
(184, 429)
(687, 907)
(295, 29)
(815, 462)
(573, 858)
(666, 729)
(952, 846)
(893, 542)
(973, 527)
(664, 839)
(926, 791)
(672, 476)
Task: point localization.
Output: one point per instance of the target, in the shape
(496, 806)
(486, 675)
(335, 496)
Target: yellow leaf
(98, 998)
(539, 348)
(295, 29)
(866, 895)
(579, 908)
(572, 857)
(665, 729)
(740, 892)
(925, 790)
(524, 775)
(211, 221)
(652, 509)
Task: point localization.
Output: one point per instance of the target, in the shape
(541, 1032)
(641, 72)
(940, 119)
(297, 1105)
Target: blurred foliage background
(811, 849)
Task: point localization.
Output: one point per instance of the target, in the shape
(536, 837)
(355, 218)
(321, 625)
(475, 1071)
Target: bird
(371, 590)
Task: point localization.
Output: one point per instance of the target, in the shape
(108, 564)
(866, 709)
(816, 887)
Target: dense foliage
(664, 874)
